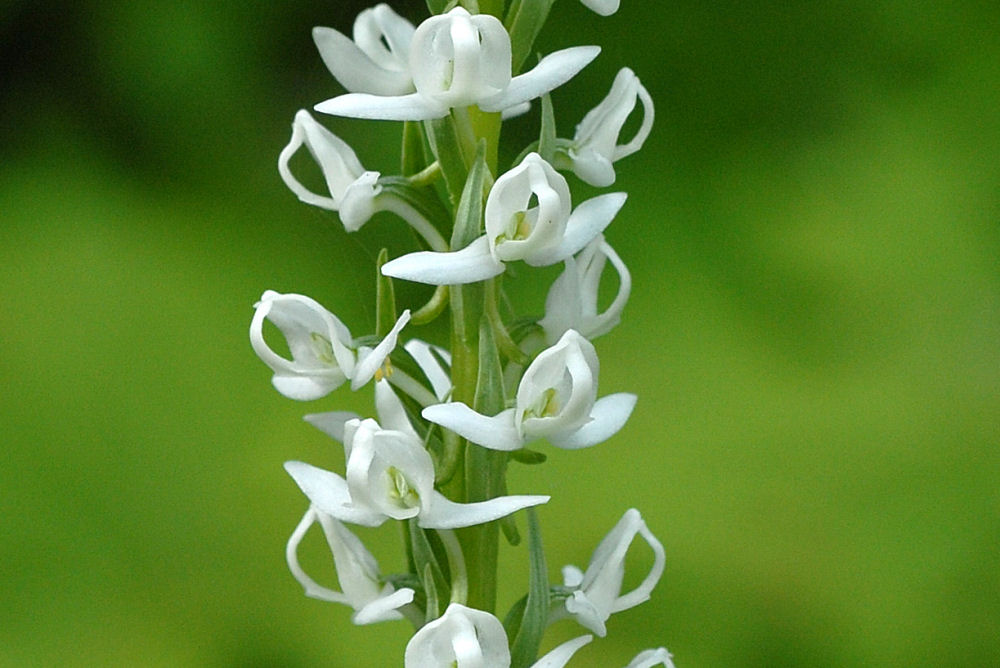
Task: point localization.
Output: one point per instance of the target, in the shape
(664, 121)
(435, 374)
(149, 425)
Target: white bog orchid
(357, 570)
(572, 299)
(652, 657)
(458, 60)
(528, 216)
(597, 592)
(352, 188)
(464, 637)
(556, 400)
(377, 61)
(595, 146)
(390, 475)
(322, 351)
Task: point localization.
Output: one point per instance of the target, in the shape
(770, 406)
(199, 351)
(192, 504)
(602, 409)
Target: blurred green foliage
(814, 334)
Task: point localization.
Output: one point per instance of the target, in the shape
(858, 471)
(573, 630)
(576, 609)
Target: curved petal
(370, 362)
(328, 492)
(428, 363)
(652, 657)
(391, 414)
(608, 416)
(311, 587)
(496, 433)
(472, 263)
(384, 608)
(551, 72)
(587, 221)
(412, 107)
(332, 423)
(641, 593)
(602, 7)
(587, 614)
(462, 637)
(443, 513)
(353, 68)
(559, 656)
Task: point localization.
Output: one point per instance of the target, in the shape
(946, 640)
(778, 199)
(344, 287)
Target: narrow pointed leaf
(524, 649)
(429, 568)
(469, 215)
(547, 136)
(524, 21)
(412, 158)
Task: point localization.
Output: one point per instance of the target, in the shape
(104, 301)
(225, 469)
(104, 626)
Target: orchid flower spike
(596, 594)
(352, 188)
(529, 216)
(323, 357)
(572, 299)
(377, 61)
(357, 570)
(458, 60)
(652, 657)
(390, 475)
(602, 7)
(556, 400)
(595, 146)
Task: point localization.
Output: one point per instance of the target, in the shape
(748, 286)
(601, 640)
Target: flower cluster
(449, 420)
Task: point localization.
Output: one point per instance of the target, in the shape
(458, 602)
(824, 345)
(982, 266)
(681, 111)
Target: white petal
(472, 263)
(461, 637)
(354, 69)
(443, 513)
(551, 72)
(311, 587)
(428, 363)
(496, 433)
(586, 613)
(602, 7)
(328, 492)
(332, 423)
(558, 657)
(587, 221)
(652, 657)
(391, 413)
(609, 415)
(384, 608)
(370, 361)
(412, 107)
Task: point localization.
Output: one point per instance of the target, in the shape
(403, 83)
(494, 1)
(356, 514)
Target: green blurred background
(814, 334)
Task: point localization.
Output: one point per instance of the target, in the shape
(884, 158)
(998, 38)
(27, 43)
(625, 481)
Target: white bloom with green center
(458, 60)
(528, 216)
(390, 475)
(357, 571)
(572, 299)
(323, 355)
(595, 148)
(352, 188)
(464, 637)
(556, 400)
(596, 593)
(377, 61)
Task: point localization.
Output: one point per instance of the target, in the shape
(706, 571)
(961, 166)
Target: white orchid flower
(322, 351)
(597, 592)
(572, 299)
(602, 7)
(464, 637)
(652, 657)
(377, 60)
(352, 188)
(595, 148)
(357, 570)
(389, 475)
(556, 400)
(529, 216)
(458, 60)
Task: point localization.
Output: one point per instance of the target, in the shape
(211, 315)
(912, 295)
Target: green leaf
(442, 134)
(412, 158)
(524, 21)
(385, 297)
(469, 215)
(547, 137)
(524, 648)
(437, 6)
(428, 565)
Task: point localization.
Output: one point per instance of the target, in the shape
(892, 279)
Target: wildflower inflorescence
(448, 420)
